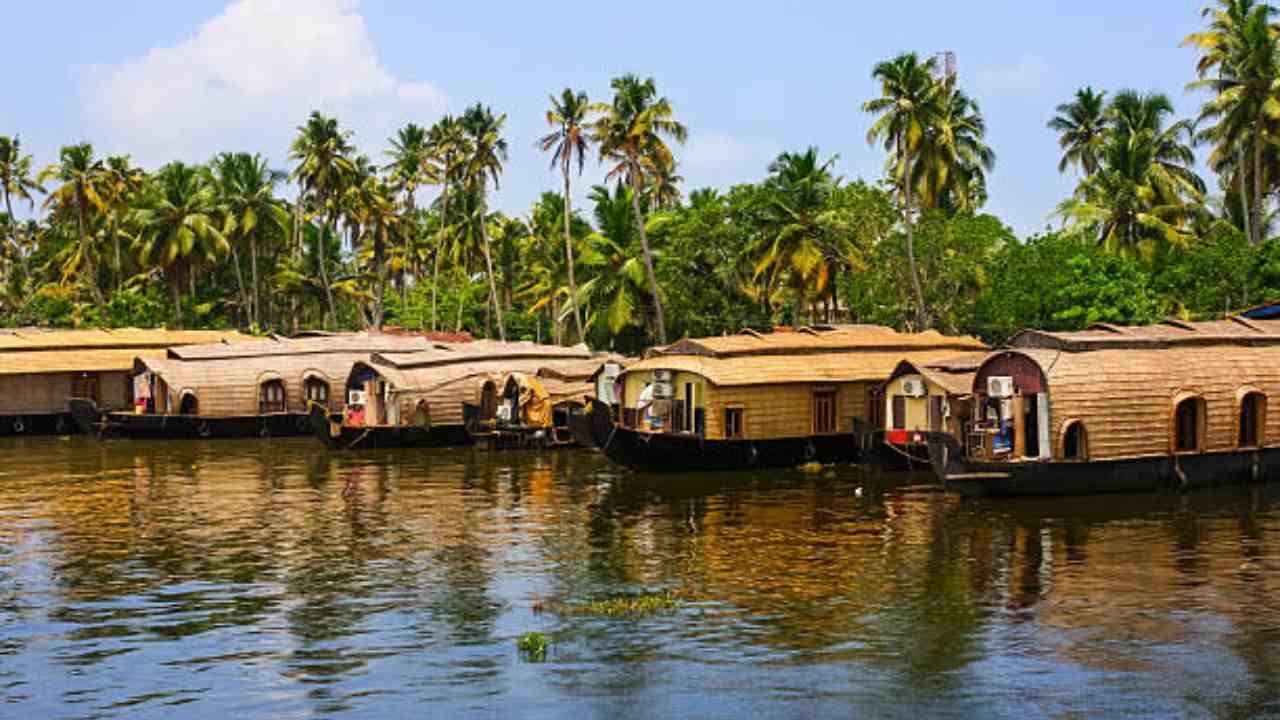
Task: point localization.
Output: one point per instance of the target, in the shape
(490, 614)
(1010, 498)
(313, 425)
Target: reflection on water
(273, 579)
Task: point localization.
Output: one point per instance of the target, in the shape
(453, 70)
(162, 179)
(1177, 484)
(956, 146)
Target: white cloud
(1030, 74)
(717, 159)
(247, 78)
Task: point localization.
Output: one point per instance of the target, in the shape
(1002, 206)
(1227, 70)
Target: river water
(272, 579)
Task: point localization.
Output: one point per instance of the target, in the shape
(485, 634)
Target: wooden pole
(1019, 428)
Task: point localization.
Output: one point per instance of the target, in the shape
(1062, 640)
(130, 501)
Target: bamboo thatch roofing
(1236, 330)
(581, 370)
(823, 339)
(954, 374)
(868, 366)
(311, 343)
(32, 351)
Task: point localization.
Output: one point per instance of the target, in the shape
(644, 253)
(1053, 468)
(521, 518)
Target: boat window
(1252, 419)
(733, 427)
(189, 405)
(899, 412)
(422, 415)
(824, 412)
(687, 419)
(1075, 442)
(85, 386)
(316, 390)
(271, 398)
(1188, 423)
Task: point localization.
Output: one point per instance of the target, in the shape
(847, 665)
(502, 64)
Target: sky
(162, 80)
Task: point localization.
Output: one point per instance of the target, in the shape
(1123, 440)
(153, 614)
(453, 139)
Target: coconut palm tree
(907, 109)
(176, 228)
(411, 167)
(245, 186)
(1240, 65)
(323, 153)
(484, 165)
(118, 183)
(619, 286)
(381, 225)
(570, 115)
(632, 135)
(1082, 127)
(954, 159)
(449, 147)
(1140, 119)
(79, 172)
(17, 181)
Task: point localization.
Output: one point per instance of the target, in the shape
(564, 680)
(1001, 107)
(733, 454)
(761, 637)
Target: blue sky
(162, 79)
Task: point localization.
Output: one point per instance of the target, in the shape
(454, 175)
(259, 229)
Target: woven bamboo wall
(230, 387)
(47, 393)
(782, 410)
(1125, 398)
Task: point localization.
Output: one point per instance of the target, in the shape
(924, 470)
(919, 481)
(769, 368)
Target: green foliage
(532, 646)
(631, 604)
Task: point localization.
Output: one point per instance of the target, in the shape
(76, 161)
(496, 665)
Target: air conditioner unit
(913, 387)
(355, 397)
(1000, 386)
(662, 391)
(662, 376)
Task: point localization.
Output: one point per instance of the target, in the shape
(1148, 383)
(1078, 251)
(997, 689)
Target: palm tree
(79, 172)
(631, 136)
(1082, 127)
(619, 284)
(569, 141)
(323, 154)
(248, 206)
(448, 148)
(1139, 119)
(119, 181)
(954, 159)
(907, 108)
(488, 153)
(17, 181)
(381, 224)
(411, 167)
(176, 229)
(1241, 45)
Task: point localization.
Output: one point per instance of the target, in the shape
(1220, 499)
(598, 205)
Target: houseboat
(1121, 409)
(41, 369)
(418, 398)
(251, 388)
(761, 399)
(924, 398)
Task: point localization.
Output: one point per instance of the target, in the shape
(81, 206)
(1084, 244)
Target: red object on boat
(897, 437)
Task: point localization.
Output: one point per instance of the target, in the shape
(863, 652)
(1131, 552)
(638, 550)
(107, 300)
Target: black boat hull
(591, 425)
(322, 426)
(185, 427)
(37, 424)
(1188, 471)
(660, 452)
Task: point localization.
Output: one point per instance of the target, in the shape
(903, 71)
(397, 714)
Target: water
(271, 579)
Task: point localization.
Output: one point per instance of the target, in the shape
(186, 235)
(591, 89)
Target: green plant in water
(645, 603)
(532, 646)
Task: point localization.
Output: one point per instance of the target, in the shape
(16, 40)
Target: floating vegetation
(532, 646)
(631, 604)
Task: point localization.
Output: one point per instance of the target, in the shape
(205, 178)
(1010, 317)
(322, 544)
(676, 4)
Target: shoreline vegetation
(410, 239)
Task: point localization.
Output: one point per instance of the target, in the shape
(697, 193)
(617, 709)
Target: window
(733, 427)
(85, 386)
(189, 404)
(1075, 442)
(316, 391)
(824, 412)
(899, 412)
(1253, 408)
(271, 399)
(1188, 424)
(687, 424)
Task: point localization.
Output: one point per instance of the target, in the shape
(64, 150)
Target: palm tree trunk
(175, 287)
(1256, 210)
(493, 286)
(659, 319)
(253, 267)
(922, 316)
(244, 296)
(568, 253)
(435, 271)
(462, 294)
(13, 236)
(324, 272)
(1244, 195)
(379, 243)
(85, 260)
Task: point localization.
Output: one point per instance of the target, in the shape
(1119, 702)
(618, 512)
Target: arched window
(1188, 424)
(1075, 442)
(189, 405)
(271, 397)
(422, 414)
(1253, 419)
(316, 390)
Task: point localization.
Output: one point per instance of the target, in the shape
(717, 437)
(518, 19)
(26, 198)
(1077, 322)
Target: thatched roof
(869, 366)
(32, 351)
(815, 340)
(1236, 330)
(953, 374)
(311, 343)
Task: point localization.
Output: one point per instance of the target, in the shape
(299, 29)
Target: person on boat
(648, 409)
(354, 416)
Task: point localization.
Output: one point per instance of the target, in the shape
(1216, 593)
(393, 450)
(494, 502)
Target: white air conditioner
(355, 397)
(1000, 386)
(913, 387)
(662, 376)
(662, 391)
